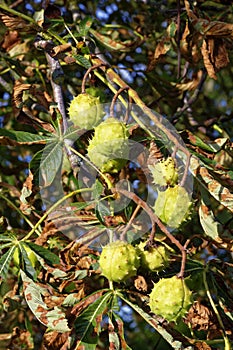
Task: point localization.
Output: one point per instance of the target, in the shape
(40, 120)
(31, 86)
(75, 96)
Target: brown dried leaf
(78, 255)
(161, 49)
(26, 192)
(206, 53)
(55, 340)
(218, 29)
(18, 91)
(25, 116)
(61, 48)
(13, 22)
(12, 189)
(202, 346)
(140, 284)
(21, 339)
(83, 304)
(191, 84)
(200, 317)
(11, 38)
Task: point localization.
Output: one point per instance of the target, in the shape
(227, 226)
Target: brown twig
(178, 40)
(115, 97)
(56, 71)
(155, 220)
(83, 89)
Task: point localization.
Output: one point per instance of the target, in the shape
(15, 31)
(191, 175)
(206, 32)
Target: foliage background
(178, 60)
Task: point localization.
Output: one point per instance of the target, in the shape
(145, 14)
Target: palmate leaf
(53, 319)
(14, 138)
(26, 262)
(46, 254)
(115, 337)
(5, 262)
(46, 163)
(220, 193)
(87, 326)
(175, 344)
(85, 25)
(82, 61)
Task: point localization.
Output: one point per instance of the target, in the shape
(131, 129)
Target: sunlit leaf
(46, 163)
(5, 262)
(54, 318)
(46, 254)
(176, 344)
(82, 61)
(87, 326)
(14, 138)
(85, 25)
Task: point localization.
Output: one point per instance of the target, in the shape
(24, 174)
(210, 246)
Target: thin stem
(19, 14)
(115, 97)
(87, 74)
(108, 182)
(123, 234)
(154, 219)
(20, 213)
(54, 206)
(178, 40)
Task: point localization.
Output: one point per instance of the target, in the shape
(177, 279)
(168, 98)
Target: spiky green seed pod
(86, 111)
(164, 172)
(170, 298)
(172, 206)
(153, 258)
(108, 149)
(118, 261)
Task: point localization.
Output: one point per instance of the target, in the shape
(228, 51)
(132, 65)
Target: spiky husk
(154, 258)
(170, 298)
(118, 261)
(108, 149)
(164, 172)
(172, 206)
(85, 111)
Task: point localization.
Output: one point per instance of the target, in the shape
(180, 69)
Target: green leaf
(72, 133)
(12, 137)
(101, 211)
(26, 262)
(217, 190)
(46, 254)
(82, 61)
(97, 189)
(87, 326)
(46, 163)
(55, 318)
(5, 262)
(120, 331)
(176, 344)
(4, 238)
(85, 25)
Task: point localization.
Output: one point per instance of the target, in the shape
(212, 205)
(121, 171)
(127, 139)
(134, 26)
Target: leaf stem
(19, 212)
(54, 206)
(108, 182)
(19, 14)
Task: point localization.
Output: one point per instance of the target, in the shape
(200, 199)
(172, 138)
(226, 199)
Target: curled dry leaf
(13, 22)
(212, 35)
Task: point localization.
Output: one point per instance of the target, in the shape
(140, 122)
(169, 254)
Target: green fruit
(164, 172)
(172, 206)
(85, 111)
(154, 258)
(108, 149)
(31, 255)
(118, 261)
(170, 298)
